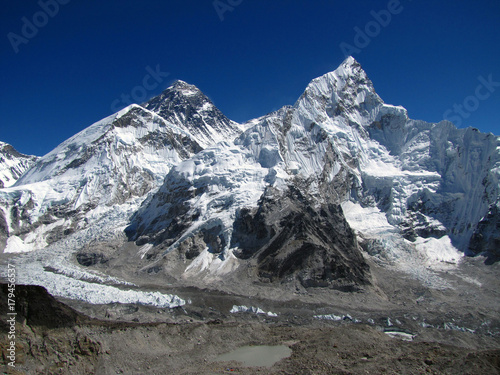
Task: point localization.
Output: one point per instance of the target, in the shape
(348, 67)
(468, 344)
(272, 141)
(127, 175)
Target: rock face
(37, 308)
(486, 237)
(288, 236)
(47, 334)
(466, 162)
(13, 164)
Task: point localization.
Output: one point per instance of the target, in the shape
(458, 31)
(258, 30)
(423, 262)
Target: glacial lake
(257, 356)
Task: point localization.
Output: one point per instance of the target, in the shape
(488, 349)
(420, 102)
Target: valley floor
(454, 330)
(191, 348)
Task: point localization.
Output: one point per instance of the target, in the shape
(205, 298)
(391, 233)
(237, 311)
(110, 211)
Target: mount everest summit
(174, 190)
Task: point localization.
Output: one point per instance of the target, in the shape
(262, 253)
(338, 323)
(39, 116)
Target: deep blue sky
(259, 58)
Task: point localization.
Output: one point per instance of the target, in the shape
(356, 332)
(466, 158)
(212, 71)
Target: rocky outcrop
(486, 237)
(288, 237)
(36, 307)
(48, 339)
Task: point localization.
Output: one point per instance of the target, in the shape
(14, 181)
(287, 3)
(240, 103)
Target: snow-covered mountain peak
(185, 106)
(345, 92)
(340, 143)
(13, 164)
(132, 128)
(287, 196)
(113, 162)
(349, 61)
(349, 75)
(184, 88)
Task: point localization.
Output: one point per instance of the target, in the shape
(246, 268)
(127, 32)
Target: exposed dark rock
(177, 214)
(90, 259)
(48, 339)
(290, 236)
(36, 307)
(184, 146)
(187, 106)
(486, 237)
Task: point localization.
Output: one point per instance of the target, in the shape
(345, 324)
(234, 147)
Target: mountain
(282, 195)
(307, 196)
(13, 164)
(114, 161)
(185, 106)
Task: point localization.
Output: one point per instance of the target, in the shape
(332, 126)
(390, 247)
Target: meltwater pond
(257, 356)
